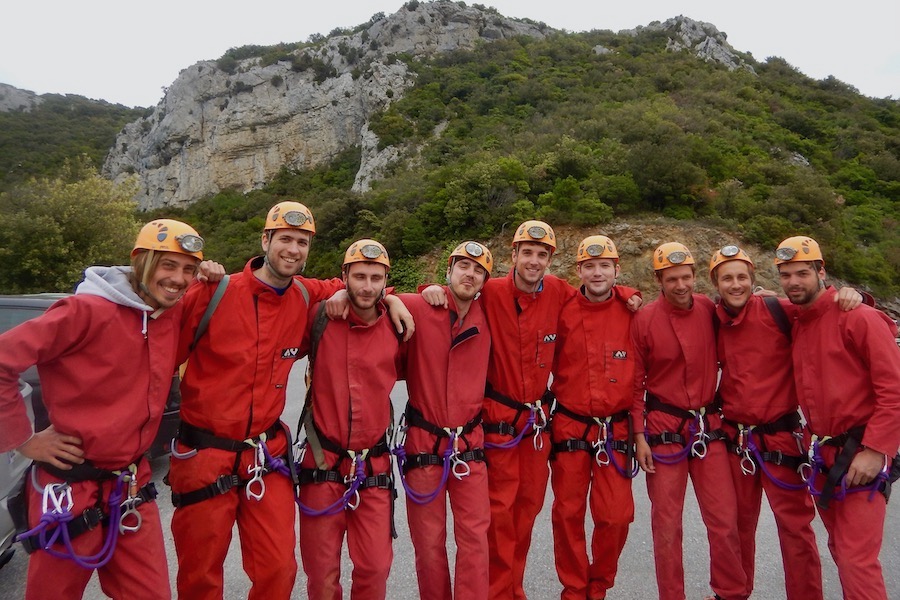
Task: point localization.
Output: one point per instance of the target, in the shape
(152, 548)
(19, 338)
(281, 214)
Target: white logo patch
(550, 338)
(620, 354)
(289, 353)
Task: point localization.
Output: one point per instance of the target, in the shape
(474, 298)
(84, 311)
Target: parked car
(18, 309)
(12, 467)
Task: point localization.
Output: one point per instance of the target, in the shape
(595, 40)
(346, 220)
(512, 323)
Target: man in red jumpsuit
(233, 394)
(106, 357)
(345, 478)
(759, 405)
(523, 311)
(592, 452)
(847, 374)
(677, 427)
(443, 455)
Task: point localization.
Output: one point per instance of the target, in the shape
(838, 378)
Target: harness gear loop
(181, 455)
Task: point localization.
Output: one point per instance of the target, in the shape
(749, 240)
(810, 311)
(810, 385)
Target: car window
(12, 316)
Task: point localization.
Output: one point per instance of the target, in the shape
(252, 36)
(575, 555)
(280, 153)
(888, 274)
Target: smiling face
(285, 251)
(465, 279)
(734, 282)
(677, 284)
(598, 276)
(802, 281)
(168, 279)
(530, 261)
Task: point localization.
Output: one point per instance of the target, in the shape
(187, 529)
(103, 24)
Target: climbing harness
(696, 444)
(451, 460)
(752, 453)
(59, 525)
(604, 443)
(536, 421)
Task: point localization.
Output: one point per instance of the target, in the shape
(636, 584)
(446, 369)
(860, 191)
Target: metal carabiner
(601, 454)
(537, 441)
(748, 465)
(460, 467)
(50, 493)
(353, 504)
(256, 471)
(130, 511)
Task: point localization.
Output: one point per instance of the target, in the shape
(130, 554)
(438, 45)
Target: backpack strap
(210, 309)
(320, 321)
(303, 291)
(781, 318)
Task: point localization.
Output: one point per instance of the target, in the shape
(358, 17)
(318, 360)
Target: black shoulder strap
(781, 318)
(320, 321)
(210, 309)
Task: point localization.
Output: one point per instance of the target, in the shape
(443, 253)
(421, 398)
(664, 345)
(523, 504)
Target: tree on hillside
(53, 228)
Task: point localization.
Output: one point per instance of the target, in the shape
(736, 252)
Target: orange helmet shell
(671, 254)
(726, 253)
(537, 232)
(596, 246)
(169, 235)
(290, 215)
(474, 252)
(367, 250)
(799, 248)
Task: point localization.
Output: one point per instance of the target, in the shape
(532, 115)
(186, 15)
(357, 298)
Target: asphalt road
(636, 573)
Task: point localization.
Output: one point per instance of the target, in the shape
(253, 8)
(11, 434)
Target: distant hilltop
(232, 124)
(12, 99)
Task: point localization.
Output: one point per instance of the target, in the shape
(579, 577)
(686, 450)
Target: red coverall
(847, 370)
(593, 377)
(524, 330)
(94, 359)
(757, 387)
(355, 369)
(234, 387)
(676, 362)
(446, 366)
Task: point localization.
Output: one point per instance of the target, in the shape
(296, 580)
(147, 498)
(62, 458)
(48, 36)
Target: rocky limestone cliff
(704, 40)
(12, 99)
(216, 130)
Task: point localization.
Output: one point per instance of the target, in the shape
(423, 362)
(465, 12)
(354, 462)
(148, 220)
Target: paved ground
(636, 574)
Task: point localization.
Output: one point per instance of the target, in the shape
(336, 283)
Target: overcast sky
(126, 51)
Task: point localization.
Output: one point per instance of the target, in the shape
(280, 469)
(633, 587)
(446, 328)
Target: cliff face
(235, 129)
(215, 130)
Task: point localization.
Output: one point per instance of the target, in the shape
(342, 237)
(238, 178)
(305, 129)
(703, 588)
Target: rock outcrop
(216, 130)
(704, 40)
(12, 99)
(234, 124)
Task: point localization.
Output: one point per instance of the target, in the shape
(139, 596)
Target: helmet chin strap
(276, 275)
(147, 291)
